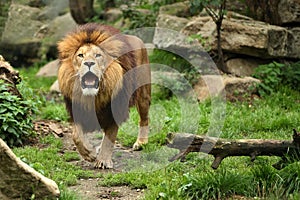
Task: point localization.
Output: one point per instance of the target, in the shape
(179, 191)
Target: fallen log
(288, 150)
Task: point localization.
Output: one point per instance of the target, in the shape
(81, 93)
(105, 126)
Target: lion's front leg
(85, 149)
(104, 158)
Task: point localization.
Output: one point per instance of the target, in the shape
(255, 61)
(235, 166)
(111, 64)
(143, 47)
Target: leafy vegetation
(50, 107)
(139, 19)
(274, 75)
(16, 115)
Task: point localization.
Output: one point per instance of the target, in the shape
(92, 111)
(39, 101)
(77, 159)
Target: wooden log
(288, 150)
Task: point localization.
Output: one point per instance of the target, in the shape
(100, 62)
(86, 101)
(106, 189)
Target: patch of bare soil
(90, 188)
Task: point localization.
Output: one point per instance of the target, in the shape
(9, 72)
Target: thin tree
(216, 10)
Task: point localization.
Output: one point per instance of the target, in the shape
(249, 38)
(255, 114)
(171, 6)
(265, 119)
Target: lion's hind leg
(85, 149)
(143, 106)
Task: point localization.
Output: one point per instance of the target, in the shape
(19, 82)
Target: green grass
(271, 117)
(51, 163)
(39, 84)
(52, 107)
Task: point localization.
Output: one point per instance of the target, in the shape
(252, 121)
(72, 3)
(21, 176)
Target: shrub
(275, 75)
(139, 19)
(15, 117)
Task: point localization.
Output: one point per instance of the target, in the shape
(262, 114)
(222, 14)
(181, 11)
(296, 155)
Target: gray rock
(31, 33)
(113, 14)
(248, 37)
(213, 85)
(243, 66)
(171, 22)
(179, 9)
(289, 11)
(21, 25)
(55, 87)
(49, 70)
(57, 29)
(19, 181)
(18, 41)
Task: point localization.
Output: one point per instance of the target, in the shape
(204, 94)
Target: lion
(102, 74)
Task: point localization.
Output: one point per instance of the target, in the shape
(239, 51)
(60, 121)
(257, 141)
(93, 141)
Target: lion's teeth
(89, 82)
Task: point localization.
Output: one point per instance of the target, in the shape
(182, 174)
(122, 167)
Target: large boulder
(49, 70)
(248, 37)
(18, 41)
(171, 22)
(288, 11)
(179, 9)
(19, 181)
(244, 66)
(32, 30)
(279, 12)
(239, 36)
(234, 87)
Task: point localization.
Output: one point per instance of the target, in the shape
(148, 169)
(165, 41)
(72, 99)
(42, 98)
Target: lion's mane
(118, 48)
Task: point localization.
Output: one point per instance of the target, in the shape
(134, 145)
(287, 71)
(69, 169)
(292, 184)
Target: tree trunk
(220, 63)
(218, 19)
(81, 10)
(289, 151)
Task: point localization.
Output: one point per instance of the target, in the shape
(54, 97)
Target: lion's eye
(80, 55)
(98, 55)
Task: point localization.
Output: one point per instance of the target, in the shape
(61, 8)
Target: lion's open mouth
(90, 80)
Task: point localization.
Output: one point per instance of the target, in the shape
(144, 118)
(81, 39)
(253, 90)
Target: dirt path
(89, 188)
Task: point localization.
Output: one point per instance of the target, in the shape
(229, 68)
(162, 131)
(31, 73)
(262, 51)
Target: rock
(9, 75)
(31, 33)
(113, 14)
(207, 87)
(240, 86)
(243, 66)
(55, 87)
(179, 9)
(18, 36)
(19, 181)
(210, 86)
(58, 28)
(171, 22)
(50, 69)
(293, 42)
(279, 12)
(248, 37)
(288, 11)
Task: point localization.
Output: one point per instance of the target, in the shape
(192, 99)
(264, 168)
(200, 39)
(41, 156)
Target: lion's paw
(104, 164)
(138, 145)
(88, 156)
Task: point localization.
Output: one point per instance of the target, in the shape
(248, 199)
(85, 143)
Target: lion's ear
(115, 46)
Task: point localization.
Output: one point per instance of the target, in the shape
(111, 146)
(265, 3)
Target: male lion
(102, 73)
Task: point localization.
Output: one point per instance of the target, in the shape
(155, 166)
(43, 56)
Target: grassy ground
(271, 117)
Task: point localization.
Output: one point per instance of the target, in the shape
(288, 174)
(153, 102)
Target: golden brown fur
(111, 55)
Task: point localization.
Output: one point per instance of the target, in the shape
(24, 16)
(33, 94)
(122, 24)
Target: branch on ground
(288, 150)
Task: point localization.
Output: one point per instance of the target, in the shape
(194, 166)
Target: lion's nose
(89, 63)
